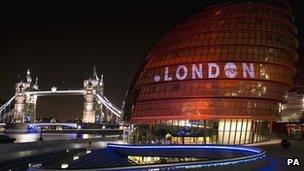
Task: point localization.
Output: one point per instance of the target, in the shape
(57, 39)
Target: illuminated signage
(195, 71)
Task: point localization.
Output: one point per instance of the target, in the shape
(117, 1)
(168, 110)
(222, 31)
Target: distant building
(293, 111)
(292, 120)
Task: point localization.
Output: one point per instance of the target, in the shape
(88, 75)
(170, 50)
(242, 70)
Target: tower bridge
(96, 107)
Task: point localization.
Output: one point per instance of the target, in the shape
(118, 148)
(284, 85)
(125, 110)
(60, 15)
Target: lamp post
(40, 138)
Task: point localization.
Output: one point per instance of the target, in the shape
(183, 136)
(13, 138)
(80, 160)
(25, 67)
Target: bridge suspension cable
(6, 104)
(109, 105)
(4, 114)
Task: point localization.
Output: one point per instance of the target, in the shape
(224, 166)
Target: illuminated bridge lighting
(204, 147)
(42, 93)
(113, 109)
(102, 99)
(167, 157)
(27, 93)
(73, 125)
(7, 103)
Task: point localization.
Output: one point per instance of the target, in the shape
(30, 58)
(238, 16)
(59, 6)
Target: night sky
(61, 43)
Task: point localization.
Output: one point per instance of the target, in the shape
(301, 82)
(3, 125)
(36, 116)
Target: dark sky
(61, 43)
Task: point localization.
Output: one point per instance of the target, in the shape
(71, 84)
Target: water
(32, 137)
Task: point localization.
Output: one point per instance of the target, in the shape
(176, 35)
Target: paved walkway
(14, 151)
(276, 155)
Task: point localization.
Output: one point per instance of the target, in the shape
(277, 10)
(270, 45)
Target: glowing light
(42, 93)
(75, 157)
(224, 147)
(213, 71)
(236, 130)
(26, 137)
(109, 105)
(85, 136)
(64, 165)
(88, 151)
(258, 154)
(53, 89)
(7, 103)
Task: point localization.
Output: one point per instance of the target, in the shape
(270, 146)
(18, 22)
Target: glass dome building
(220, 77)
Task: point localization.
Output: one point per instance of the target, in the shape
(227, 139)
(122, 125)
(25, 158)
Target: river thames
(32, 137)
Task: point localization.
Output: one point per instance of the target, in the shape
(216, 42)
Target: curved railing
(256, 154)
(250, 154)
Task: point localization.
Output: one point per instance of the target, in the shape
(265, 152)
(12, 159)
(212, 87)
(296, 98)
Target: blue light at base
(226, 147)
(256, 154)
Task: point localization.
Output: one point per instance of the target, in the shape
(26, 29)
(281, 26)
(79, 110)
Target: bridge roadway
(102, 99)
(57, 92)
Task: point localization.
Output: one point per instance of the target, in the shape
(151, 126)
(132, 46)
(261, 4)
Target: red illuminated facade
(219, 77)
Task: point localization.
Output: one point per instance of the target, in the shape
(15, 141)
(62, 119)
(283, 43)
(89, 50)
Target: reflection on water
(32, 137)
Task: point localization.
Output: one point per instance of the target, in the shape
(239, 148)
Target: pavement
(276, 155)
(20, 150)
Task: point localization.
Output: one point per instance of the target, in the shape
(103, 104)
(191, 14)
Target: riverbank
(10, 147)
(15, 151)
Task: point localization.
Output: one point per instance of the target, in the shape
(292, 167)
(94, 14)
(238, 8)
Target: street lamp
(40, 138)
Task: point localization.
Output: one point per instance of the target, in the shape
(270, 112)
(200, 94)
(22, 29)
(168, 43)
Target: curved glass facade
(228, 68)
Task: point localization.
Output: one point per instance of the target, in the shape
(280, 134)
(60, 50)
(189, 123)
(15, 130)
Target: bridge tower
(91, 111)
(30, 103)
(99, 108)
(25, 105)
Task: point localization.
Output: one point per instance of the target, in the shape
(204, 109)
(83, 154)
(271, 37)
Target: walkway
(15, 151)
(276, 155)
